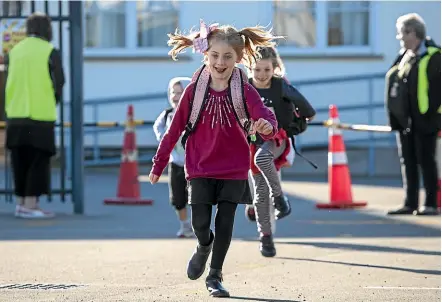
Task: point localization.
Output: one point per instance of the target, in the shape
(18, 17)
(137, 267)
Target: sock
(185, 223)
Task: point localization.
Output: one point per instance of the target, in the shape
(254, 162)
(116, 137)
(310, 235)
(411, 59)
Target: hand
(262, 126)
(153, 178)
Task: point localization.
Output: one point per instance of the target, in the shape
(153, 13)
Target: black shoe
(267, 247)
(427, 211)
(250, 213)
(197, 263)
(214, 285)
(402, 211)
(282, 206)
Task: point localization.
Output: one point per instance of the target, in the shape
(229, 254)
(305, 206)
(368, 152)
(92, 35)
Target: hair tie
(201, 44)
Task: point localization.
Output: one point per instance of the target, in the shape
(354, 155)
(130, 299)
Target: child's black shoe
(197, 263)
(214, 284)
(267, 247)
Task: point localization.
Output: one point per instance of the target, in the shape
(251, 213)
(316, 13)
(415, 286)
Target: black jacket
(403, 112)
(281, 90)
(293, 95)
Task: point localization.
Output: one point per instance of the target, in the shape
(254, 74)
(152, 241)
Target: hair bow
(201, 44)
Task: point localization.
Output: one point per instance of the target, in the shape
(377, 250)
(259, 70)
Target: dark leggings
(31, 168)
(224, 219)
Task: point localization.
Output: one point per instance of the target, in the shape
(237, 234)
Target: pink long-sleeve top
(217, 148)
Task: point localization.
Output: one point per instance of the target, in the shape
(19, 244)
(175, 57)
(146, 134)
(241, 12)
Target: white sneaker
(26, 213)
(17, 210)
(185, 232)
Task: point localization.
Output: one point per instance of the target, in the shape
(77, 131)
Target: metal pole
(76, 58)
(62, 131)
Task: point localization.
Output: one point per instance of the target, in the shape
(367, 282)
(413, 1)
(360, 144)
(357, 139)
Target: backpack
(288, 116)
(292, 121)
(166, 113)
(201, 78)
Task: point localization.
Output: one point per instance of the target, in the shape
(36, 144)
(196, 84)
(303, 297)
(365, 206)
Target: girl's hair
(244, 41)
(270, 53)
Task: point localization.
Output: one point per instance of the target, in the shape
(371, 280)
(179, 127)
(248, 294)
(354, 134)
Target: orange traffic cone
(339, 179)
(128, 186)
(438, 168)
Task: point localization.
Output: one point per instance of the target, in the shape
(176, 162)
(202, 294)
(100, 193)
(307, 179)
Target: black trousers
(224, 221)
(31, 167)
(418, 150)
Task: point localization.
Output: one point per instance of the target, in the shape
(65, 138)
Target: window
(348, 23)
(112, 26)
(105, 24)
(324, 25)
(155, 19)
(295, 20)
(11, 8)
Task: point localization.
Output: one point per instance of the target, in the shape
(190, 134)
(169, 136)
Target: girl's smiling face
(221, 59)
(262, 73)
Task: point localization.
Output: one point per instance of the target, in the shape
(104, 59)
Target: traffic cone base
(341, 204)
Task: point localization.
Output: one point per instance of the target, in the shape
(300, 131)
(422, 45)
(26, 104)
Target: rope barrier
(352, 127)
(326, 123)
(99, 124)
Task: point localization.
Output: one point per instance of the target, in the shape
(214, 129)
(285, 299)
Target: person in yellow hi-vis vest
(413, 99)
(34, 83)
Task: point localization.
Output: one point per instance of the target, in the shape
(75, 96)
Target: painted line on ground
(402, 288)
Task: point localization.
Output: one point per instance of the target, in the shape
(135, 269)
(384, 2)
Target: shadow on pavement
(308, 222)
(159, 220)
(411, 270)
(262, 299)
(364, 248)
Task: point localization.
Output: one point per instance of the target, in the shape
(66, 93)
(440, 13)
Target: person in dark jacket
(413, 99)
(34, 82)
(267, 76)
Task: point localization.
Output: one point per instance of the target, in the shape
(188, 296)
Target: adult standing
(34, 82)
(413, 98)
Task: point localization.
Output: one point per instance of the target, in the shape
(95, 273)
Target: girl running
(269, 156)
(177, 179)
(215, 112)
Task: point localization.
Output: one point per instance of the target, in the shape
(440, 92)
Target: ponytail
(256, 37)
(180, 42)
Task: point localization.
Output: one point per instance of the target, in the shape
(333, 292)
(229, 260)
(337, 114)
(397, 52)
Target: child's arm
(258, 110)
(293, 95)
(170, 138)
(159, 127)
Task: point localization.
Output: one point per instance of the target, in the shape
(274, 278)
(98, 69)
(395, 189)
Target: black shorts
(177, 186)
(211, 191)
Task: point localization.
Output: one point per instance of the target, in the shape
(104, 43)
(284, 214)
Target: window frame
(322, 48)
(131, 49)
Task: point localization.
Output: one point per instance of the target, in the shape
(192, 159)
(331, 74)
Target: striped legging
(266, 184)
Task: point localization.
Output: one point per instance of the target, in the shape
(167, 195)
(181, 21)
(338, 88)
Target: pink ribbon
(201, 44)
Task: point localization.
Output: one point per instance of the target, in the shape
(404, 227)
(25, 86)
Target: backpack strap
(237, 98)
(201, 78)
(166, 113)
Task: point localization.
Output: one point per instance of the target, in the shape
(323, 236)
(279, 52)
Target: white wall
(129, 76)
(120, 78)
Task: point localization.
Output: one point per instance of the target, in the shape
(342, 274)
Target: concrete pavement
(130, 254)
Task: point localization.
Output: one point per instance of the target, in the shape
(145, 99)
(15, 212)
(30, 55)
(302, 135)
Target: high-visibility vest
(29, 87)
(422, 80)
